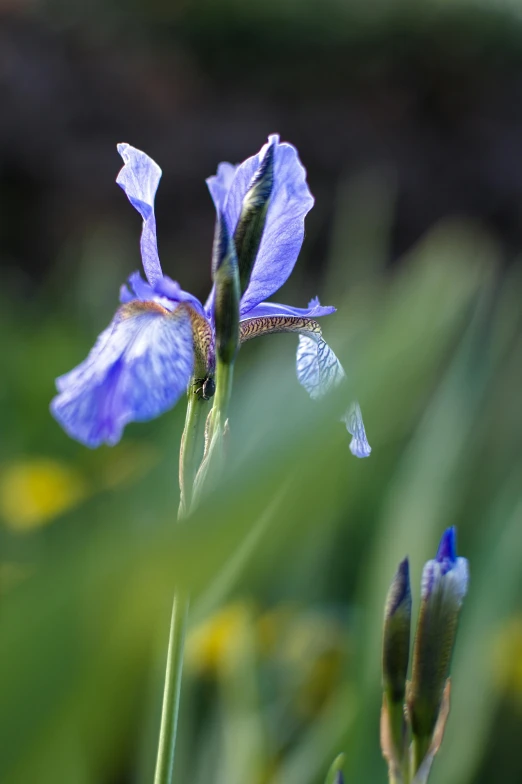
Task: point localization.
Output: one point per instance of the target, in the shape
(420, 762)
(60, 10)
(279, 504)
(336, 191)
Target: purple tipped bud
(448, 546)
(444, 585)
(335, 774)
(396, 637)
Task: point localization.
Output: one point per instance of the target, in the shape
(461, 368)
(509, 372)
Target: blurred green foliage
(289, 561)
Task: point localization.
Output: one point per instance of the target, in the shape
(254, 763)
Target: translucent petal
(219, 184)
(139, 178)
(359, 445)
(284, 229)
(139, 367)
(318, 369)
(314, 310)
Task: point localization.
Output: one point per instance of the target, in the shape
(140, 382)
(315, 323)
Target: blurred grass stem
(171, 694)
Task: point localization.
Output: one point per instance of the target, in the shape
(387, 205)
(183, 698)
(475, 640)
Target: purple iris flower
(162, 337)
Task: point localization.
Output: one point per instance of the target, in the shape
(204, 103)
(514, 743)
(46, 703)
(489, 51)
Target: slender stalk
(420, 748)
(171, 694)
(190, 494)
(208, 472)
(190, 452)
(224, 376)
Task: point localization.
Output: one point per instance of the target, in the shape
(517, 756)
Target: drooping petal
(138, 368)
(258, 326)
(284, 228)
(318, 369)
(314, 310)
(139, 178)
(359, 445)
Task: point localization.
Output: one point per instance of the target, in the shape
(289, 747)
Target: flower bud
(396, 637)
(444, 585)
(251, 224)
(227, 294)
(335, 774)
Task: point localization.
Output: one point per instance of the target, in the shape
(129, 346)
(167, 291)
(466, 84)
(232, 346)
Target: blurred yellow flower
(218, 638)
(36, 490)
(507, 658)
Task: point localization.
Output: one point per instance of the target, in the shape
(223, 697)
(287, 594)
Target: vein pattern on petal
(283, 235)
(318, 369)
(359, 445)
(139, 178)
(139, 367)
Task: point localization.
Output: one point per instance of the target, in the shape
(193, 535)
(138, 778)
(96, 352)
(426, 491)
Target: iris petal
(219, 184)
(314, 310)
(359, 445)
(284, 228)
(139, 178)
(139, 367)
(318, 369)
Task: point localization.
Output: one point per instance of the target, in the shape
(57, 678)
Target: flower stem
(188, 459)
(224, 376)
(188, 456)
(171, 694)
(420, 748)
(209, 470)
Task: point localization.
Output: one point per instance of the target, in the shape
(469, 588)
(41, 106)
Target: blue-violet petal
(139, 367)
(359, 445)
(318, 369)
(284, 228)
(139, 178)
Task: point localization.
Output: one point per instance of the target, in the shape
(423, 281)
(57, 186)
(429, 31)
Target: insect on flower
(204, 387)
(161, 337)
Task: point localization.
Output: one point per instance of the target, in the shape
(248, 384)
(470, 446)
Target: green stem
(189, 453)
(420, 748)
(224, 376)
(209, 470)
(190, 494)
(171, 694)
(190, 450)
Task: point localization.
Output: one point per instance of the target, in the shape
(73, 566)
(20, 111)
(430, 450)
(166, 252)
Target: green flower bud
(251, 224)
(227, 294)
(444, 585)
(396, 637)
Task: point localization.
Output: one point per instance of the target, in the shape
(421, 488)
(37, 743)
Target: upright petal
(219, 184)
(139, 367)
(284, 228)
(139, 178)
(359, 445)
(318, 369)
